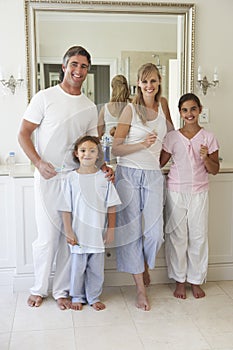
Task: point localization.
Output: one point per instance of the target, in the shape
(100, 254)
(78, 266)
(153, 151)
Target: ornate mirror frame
(187, 11)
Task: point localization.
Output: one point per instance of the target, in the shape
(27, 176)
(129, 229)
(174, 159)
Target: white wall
(214, 30)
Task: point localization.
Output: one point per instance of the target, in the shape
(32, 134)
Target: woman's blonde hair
(120, 89)
(143, 72)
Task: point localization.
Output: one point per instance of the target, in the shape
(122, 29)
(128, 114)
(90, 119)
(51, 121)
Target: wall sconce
(204, 84)
(12, 83)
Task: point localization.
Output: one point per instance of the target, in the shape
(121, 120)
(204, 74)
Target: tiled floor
(171, 324)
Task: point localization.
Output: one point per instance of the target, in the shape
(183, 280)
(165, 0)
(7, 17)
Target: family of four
(77, 203)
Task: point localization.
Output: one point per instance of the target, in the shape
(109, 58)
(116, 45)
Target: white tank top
(109, 120)
(147, 158)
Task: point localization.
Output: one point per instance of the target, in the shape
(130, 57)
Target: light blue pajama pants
(139, 224)
(87, 277)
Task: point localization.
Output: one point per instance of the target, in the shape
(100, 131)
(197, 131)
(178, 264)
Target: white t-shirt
(147, 159)
(62, 119)
(88, 197)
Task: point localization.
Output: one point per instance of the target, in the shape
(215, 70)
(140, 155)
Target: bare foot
(146, 276)
(76, 306)
(34, 300)
(142, 301)
(198, 292)
(98, 306)
(180, 291)
(64, 303)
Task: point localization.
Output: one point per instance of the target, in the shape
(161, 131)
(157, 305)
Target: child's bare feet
(98, 306)
(64, 303)
(142, 301)
(198, 292)
(76, 306)
(34, 300)
(180, 291)
(146, 276)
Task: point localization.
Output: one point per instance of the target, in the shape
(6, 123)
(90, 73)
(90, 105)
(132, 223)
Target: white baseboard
(23, 282)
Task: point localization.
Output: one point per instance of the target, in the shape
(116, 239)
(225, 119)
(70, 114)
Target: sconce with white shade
(12, 82)
(204, 84)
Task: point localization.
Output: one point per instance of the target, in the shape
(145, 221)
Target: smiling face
(190, 111)
(87, 154)
(149, 84)
(75, 71)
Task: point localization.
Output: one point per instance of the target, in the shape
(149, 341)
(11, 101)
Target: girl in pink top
(194, 153)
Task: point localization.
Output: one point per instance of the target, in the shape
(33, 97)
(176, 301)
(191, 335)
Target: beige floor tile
(171, 334)
(7, 313)
(47, 316)
(43, 340)
(220, 341)
(116, 311)
(116, 337)
(227, 287)
(4, 340)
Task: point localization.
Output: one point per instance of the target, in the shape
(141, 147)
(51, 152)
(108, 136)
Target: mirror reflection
(120, 37)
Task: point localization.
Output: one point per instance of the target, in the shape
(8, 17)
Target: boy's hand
(109, 236)
(71, 238)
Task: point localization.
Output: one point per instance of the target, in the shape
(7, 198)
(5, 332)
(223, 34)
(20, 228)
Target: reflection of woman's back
(111, 111)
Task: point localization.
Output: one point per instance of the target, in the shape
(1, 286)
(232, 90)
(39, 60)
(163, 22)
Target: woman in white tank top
(137, 142)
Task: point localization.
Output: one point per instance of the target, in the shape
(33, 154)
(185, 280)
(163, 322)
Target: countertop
(27, 170)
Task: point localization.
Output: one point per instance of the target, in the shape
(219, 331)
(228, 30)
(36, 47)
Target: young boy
(88, 213)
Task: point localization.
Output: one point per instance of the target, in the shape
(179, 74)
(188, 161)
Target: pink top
(187, 172)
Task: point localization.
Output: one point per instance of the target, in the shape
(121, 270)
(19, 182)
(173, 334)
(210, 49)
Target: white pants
(50, 244)
(186, 241)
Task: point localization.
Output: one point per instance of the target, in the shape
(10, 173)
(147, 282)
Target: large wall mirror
(120, 37)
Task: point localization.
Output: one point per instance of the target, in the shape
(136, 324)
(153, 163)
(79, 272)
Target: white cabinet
(7, 230)
(221, 227)
(7, 246)
(18, 231)
(25, 232)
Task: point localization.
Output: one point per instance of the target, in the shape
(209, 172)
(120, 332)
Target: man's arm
(25, 140)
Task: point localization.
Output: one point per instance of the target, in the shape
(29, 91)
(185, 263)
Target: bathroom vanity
(18, 231)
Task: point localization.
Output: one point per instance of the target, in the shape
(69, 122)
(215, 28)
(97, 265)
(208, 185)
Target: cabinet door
(26, 231)
(221, 219)
(7, 230)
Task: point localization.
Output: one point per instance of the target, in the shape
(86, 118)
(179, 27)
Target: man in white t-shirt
(58, 115)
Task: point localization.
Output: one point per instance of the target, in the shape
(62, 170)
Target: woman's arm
(164, 158)
(166, 111)
(101, 123)
(122, 130)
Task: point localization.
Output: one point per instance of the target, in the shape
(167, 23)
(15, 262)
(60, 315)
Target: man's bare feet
(142, 301)
(180, 291)
(198, 292)
(98, 306)
(34, 300)
(146, 276)
(64, 303)
(76, 306)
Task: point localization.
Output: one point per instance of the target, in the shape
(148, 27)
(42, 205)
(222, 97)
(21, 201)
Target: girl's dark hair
(74, 51)
(81, 140)
(189, 97)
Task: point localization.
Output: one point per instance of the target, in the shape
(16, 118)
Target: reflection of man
(59, 115)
